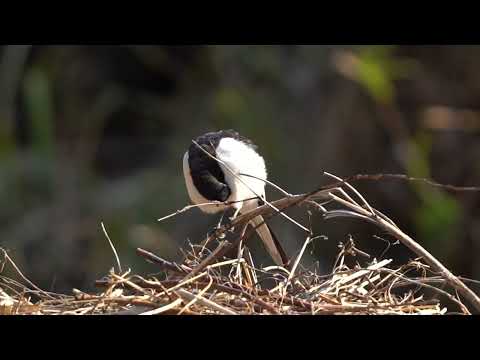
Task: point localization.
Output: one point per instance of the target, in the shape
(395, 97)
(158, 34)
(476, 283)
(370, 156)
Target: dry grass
(234, 287)
(210, 282)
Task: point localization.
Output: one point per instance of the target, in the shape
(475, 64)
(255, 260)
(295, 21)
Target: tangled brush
(210, 281)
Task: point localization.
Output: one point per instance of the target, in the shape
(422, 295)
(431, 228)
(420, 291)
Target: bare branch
(113, 249)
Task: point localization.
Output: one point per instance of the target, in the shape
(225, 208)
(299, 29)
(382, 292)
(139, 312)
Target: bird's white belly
(238, 158)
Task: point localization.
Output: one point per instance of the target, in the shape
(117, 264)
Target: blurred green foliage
(437, 214)
(376, 72)
(39, 107)
(102, 140)
(379, 68)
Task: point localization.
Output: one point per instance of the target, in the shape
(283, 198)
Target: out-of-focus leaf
(439, 214)
(375, 77)
(437, 220)
(418, 150)
(377, 68)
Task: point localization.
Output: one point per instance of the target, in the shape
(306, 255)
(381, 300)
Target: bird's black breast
(207, 176)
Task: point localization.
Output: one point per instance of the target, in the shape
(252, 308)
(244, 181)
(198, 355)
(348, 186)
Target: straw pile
(234, 287)
(212, 281)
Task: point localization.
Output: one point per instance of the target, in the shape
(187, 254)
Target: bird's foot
(217, 233)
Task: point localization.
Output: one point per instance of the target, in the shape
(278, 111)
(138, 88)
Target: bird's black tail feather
(282, 253)
(270, 241)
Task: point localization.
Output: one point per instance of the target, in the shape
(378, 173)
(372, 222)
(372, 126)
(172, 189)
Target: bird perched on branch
(224, 166)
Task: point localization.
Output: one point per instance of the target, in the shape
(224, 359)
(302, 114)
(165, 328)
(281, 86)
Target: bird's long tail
(270, 241)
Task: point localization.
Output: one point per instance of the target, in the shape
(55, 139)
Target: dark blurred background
(97, 133)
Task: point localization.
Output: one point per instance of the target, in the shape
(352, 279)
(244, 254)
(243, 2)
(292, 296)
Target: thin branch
(297, 261)
(162, 263)
(213, 203)
(354, 190)
(113, 249)
(201, 300)
(5, 254)
(416, 248)
(284, 192)
(163, 309)
(377, 177)
(198, 297)
(423, 283)
(219, 252)
(436, 265)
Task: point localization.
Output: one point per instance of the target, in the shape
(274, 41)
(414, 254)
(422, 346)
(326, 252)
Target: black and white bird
(210, 180)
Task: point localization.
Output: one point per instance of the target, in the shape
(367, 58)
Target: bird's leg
(235, 215)
(219, 226)
(249, 260)
(237, 211)
(240, 254)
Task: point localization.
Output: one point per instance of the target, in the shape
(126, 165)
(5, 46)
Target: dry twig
(205, 282)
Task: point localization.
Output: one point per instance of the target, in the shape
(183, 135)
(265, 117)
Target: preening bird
(210, 180)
